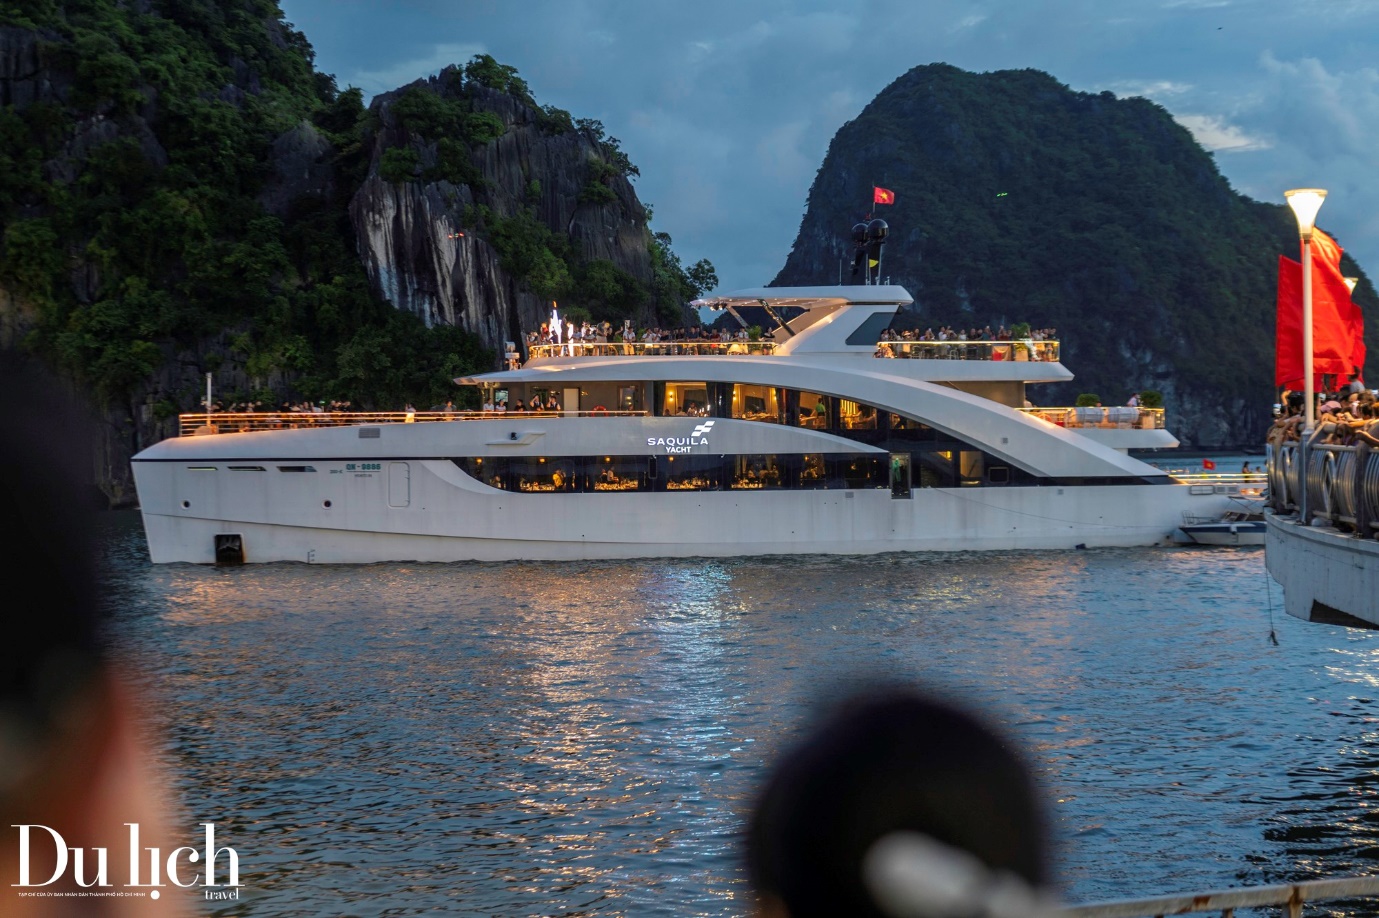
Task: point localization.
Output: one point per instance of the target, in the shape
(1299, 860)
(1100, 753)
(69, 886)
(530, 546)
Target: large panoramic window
(856, 416)
(758, 403)
(693, 473)
(685, 399)
(814, 410)
(757, 473)
(616, 473)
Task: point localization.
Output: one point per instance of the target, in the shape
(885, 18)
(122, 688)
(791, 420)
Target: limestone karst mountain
(1018, 199)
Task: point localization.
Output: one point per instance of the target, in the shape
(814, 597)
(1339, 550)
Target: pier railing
(192, 425)
(1045, 351)
(1292, 897)
(1122, 418)
(1342, 484)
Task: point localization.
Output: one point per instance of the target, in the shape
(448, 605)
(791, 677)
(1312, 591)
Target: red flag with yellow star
(882, 195)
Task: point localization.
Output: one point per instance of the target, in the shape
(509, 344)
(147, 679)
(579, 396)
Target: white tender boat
(1234, 527)
(808, 443)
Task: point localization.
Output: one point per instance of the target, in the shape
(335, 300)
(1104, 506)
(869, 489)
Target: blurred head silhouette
(899, 805)
(70, 758)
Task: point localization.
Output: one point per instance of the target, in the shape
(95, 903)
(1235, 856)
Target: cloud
(1156, 89)
(1216, 135)
(391, 77)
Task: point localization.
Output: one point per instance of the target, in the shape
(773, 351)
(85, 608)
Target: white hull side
(1323, 572)
(450, 517)
(1226, 534)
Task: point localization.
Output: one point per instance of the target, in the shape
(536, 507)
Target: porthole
(326, 504)
(186, 505)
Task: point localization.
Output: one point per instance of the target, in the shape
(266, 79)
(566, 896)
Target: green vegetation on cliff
(433, 130)
(134, 190)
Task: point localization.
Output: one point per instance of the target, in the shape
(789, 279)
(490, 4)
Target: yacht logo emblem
(678, 445)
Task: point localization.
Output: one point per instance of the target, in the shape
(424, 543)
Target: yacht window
(864, 471)
(856, 416)
(814, 410)
(616, 473)
(813, 474)
(758, 403)
(296, 468)
(692, 473)
(757, 473)
(491, 471)
(543, 474)
(686, 399)
(971, 467)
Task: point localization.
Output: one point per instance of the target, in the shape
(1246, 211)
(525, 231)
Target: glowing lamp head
(1305, 203)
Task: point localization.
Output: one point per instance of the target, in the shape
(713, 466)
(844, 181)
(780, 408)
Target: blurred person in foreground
(899, 806)
(71, 761)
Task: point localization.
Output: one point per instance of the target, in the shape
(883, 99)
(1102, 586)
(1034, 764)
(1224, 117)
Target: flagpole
(1305, 202)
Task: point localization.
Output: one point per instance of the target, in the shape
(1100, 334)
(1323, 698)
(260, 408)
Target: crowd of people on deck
(1342, 418)
(947, 333)
(585, 333)
(257, 407)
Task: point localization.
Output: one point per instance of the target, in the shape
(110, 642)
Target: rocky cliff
(433, 231)
(1018, 199)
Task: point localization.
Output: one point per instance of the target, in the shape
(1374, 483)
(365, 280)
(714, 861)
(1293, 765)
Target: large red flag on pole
(882, 195)
(1332, 345)
(1326, 261)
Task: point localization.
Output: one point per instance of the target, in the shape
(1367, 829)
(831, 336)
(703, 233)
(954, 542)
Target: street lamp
(1305, 203)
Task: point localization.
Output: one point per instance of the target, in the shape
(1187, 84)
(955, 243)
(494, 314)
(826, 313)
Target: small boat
(1234, 527)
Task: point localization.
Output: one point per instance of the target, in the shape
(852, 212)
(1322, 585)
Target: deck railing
(1291, 897)
(685, 348)
(1123, 418)
(192, 425)
(1342, 483)
(1038, 351)
(1045, 351)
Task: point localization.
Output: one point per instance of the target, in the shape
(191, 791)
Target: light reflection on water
(585, 738)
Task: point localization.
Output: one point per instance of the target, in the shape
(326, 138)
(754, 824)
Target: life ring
(599, 409)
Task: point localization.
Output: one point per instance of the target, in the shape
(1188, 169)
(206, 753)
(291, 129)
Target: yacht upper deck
(833, 320)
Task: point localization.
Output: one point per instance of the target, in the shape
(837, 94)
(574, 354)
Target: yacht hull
(336, 516)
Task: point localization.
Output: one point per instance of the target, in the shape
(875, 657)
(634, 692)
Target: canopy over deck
(812, 297)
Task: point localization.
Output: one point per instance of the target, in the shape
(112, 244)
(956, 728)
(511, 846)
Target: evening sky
(728, 106)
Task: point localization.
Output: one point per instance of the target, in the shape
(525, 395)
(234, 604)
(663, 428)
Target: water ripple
(585, 738)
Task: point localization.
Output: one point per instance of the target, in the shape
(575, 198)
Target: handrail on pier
(1291, 896)
(1341, 482)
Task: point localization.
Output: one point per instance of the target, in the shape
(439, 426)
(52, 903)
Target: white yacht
(818, 440)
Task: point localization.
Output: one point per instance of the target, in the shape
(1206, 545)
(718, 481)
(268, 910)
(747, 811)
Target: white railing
(1291, 897)
(1122, 418)
(1037, 351)
(192, 425)
(679, 348)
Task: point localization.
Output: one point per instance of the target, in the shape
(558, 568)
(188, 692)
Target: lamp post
(1305, 203)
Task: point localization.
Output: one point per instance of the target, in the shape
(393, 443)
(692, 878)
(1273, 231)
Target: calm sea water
(584, 738)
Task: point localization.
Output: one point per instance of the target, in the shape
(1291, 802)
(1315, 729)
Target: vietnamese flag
(1208, 465)
(1326, 255)
(882, 195)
